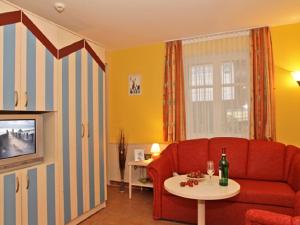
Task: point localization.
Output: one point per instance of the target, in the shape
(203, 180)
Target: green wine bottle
(223, 169)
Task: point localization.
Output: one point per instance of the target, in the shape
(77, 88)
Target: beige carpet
(122, 211)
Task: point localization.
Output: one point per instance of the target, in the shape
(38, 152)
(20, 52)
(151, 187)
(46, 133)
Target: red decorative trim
(94, 55)
(39, 35)
(20, 16)
(70, 49)
(10, 17)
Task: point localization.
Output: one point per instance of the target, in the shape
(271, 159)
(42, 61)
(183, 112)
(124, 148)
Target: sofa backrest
(192, 155)
(236, 153)
(266, 160)
(254, 159)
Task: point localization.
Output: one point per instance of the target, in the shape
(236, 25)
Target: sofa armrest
(296, 220)
(257, 217)
(297, 204)
(159, 170)
(294, 178)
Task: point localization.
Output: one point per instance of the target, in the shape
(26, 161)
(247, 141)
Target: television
(21, 140)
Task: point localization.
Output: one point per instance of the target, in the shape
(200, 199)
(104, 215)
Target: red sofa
(261, 217)
(268, 172)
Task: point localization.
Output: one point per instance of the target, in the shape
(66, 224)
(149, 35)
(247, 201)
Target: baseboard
(87, 215)
(114, 183)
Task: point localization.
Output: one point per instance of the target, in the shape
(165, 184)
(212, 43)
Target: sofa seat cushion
(265, 192)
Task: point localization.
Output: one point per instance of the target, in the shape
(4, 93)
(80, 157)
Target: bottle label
(220, 174)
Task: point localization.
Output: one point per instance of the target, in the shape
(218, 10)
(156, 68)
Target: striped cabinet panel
(100, 134)
(45, 195)
(10, 204)
(10, 66)
(95, 138)
(28, 71)
(81, 125)
(72, 132)
(28, 197)
(38, 74)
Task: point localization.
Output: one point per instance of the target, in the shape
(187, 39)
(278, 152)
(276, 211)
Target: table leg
(201, 212)
(130, 181)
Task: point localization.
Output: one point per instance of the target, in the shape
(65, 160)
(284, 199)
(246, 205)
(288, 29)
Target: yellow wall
(286, 49)
(139, 116)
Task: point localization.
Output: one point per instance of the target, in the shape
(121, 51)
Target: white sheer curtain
(217, 85)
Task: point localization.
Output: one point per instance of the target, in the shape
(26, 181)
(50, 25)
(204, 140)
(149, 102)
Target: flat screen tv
(21, 138)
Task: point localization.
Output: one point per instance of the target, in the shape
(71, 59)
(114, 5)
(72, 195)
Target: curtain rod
(213, 34)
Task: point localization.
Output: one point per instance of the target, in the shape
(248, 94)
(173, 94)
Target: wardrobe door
(38, 74)
(10, 46)
(10, 199)
(51, 197)
(30, 197)
(91, 126)
(38, 195)
(66, 122)
(73, 133)
(95, 132)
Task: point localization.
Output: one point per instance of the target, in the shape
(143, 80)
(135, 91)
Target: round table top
(205, 190)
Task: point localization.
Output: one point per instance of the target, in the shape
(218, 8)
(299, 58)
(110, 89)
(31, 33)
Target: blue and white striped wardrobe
(27, 196)
(33, 79)
(28, 82)
(81, 123)
(28, 71)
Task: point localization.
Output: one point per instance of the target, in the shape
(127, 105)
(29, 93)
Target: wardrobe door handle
(27, 182)
(18, 185)
(88, 130)
(26, 96)
(16, 98)
(82, 130)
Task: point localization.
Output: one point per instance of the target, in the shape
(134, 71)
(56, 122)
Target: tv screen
(17, 138)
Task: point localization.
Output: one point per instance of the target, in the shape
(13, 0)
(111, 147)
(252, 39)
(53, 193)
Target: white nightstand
(135, 180)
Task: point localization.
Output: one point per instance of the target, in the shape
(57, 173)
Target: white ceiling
(126, 23)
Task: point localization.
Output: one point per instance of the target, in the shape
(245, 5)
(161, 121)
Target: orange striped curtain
(262, 99)
(173, 104)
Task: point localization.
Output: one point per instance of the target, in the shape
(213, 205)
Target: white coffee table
(205, 190)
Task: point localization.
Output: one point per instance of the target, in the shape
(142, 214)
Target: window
(227, 75)
(202, 82)
(217, 87)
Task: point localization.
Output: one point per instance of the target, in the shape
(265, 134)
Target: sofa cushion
(236, 152)
(265, 192)
(266, 160)
(192, 155)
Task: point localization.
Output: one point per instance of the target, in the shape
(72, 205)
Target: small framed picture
(134, 85)
(139, 155)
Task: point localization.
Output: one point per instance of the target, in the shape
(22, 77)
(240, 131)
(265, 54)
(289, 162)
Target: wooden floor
(122, 211)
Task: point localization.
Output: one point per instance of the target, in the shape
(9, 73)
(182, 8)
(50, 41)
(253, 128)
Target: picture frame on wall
(134, 84)
(139, 154)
